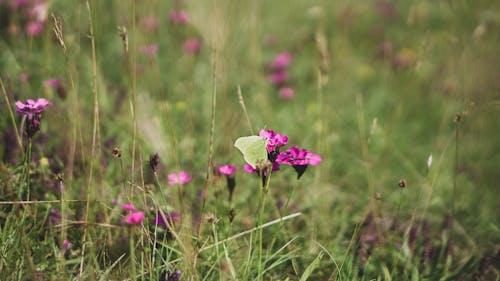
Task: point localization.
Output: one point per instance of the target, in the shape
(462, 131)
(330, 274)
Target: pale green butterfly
(253, 149)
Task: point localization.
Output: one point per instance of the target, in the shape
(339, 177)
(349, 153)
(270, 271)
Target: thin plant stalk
(262, 201)
(27, 169)
(95, 136)
(399, 204)
(216, 238)
(11, 114)
(133, 269)
(211, 141)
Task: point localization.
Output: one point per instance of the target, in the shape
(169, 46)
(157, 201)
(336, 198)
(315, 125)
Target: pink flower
(179, 178)
(298, 157)
(24, 77)
(150, 23)
(279, 77)
(286, 93)
(32, 108)
(39, 11)
(34, 29)
(177, 17)
(182, 17)
(67, 244)
(249, 169)
(128, 207)
(227, 170)
(149, 50)
(192, 46)
(134, 218)
(52, 83)
(274, 140)
(281, 61)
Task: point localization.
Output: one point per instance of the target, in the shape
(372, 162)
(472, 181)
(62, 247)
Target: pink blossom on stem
(149, 50)
(150, 23)
(34, 29)
(39, 11)
(66, 245)
(52, 83)
(134, 218)
(281, 61)
(249, 169)
(227, 170)
(279, 77)
(182, 17)
(32, 108)
(191, 46)
(286, 93)
(298, 157)
(177, 17)
(179, 178)
(128, 207)
(274, 140)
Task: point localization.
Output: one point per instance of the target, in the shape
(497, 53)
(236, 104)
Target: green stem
(27, 169)
(262, 201)
(133, 270)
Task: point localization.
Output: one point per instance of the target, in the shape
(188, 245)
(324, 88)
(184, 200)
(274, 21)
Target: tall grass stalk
(133, 100)
(95, 138)
(11, 115)
(27, 167)
(212, 125)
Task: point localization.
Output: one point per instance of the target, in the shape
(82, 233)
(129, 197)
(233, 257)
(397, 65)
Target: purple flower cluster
(279, 75)
(33, 111)
(298, 158)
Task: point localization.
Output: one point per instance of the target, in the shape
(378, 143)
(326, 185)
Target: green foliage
(377, 85)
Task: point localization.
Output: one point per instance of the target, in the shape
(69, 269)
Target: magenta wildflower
(33, 29)
(281, 61)
(179, 178)
(39, 11)
(128, 207)
(227, 170)
(32, 109)
(182, 17)
(171, 218)
(298, 157)
(286, 93)
(178, 17)
(66, 245)
(134, 218)
(150, 23)
(274, 140)
(149, 50)
(24, 77)
(279, 77)
(249, 169)
(192, 46)
(52, 83)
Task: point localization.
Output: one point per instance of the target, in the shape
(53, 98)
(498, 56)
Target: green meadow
(374, 156)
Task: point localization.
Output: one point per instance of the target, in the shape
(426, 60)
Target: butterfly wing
(253, 149)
